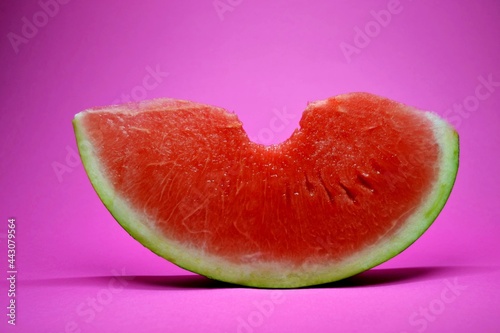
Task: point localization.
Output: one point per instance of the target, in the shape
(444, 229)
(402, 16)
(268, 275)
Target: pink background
(256, 58)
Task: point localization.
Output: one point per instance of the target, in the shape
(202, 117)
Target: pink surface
(78, 271)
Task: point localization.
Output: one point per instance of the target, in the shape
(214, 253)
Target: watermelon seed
(322, 182)
(363, 180)
(348, 192)
(309, 186)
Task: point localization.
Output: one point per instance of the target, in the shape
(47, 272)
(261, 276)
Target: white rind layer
(276, 274)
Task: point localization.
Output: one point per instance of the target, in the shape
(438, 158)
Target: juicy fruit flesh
(352, 173)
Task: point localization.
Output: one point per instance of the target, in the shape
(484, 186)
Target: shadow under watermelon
(371, 278)
(375, 277)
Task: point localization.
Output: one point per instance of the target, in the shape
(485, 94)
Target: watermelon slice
(359, 181)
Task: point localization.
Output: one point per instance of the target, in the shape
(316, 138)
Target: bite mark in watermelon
(359, 181)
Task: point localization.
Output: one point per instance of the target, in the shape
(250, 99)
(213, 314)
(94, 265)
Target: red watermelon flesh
(351, 180)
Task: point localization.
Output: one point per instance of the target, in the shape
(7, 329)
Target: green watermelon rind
(275, 274)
